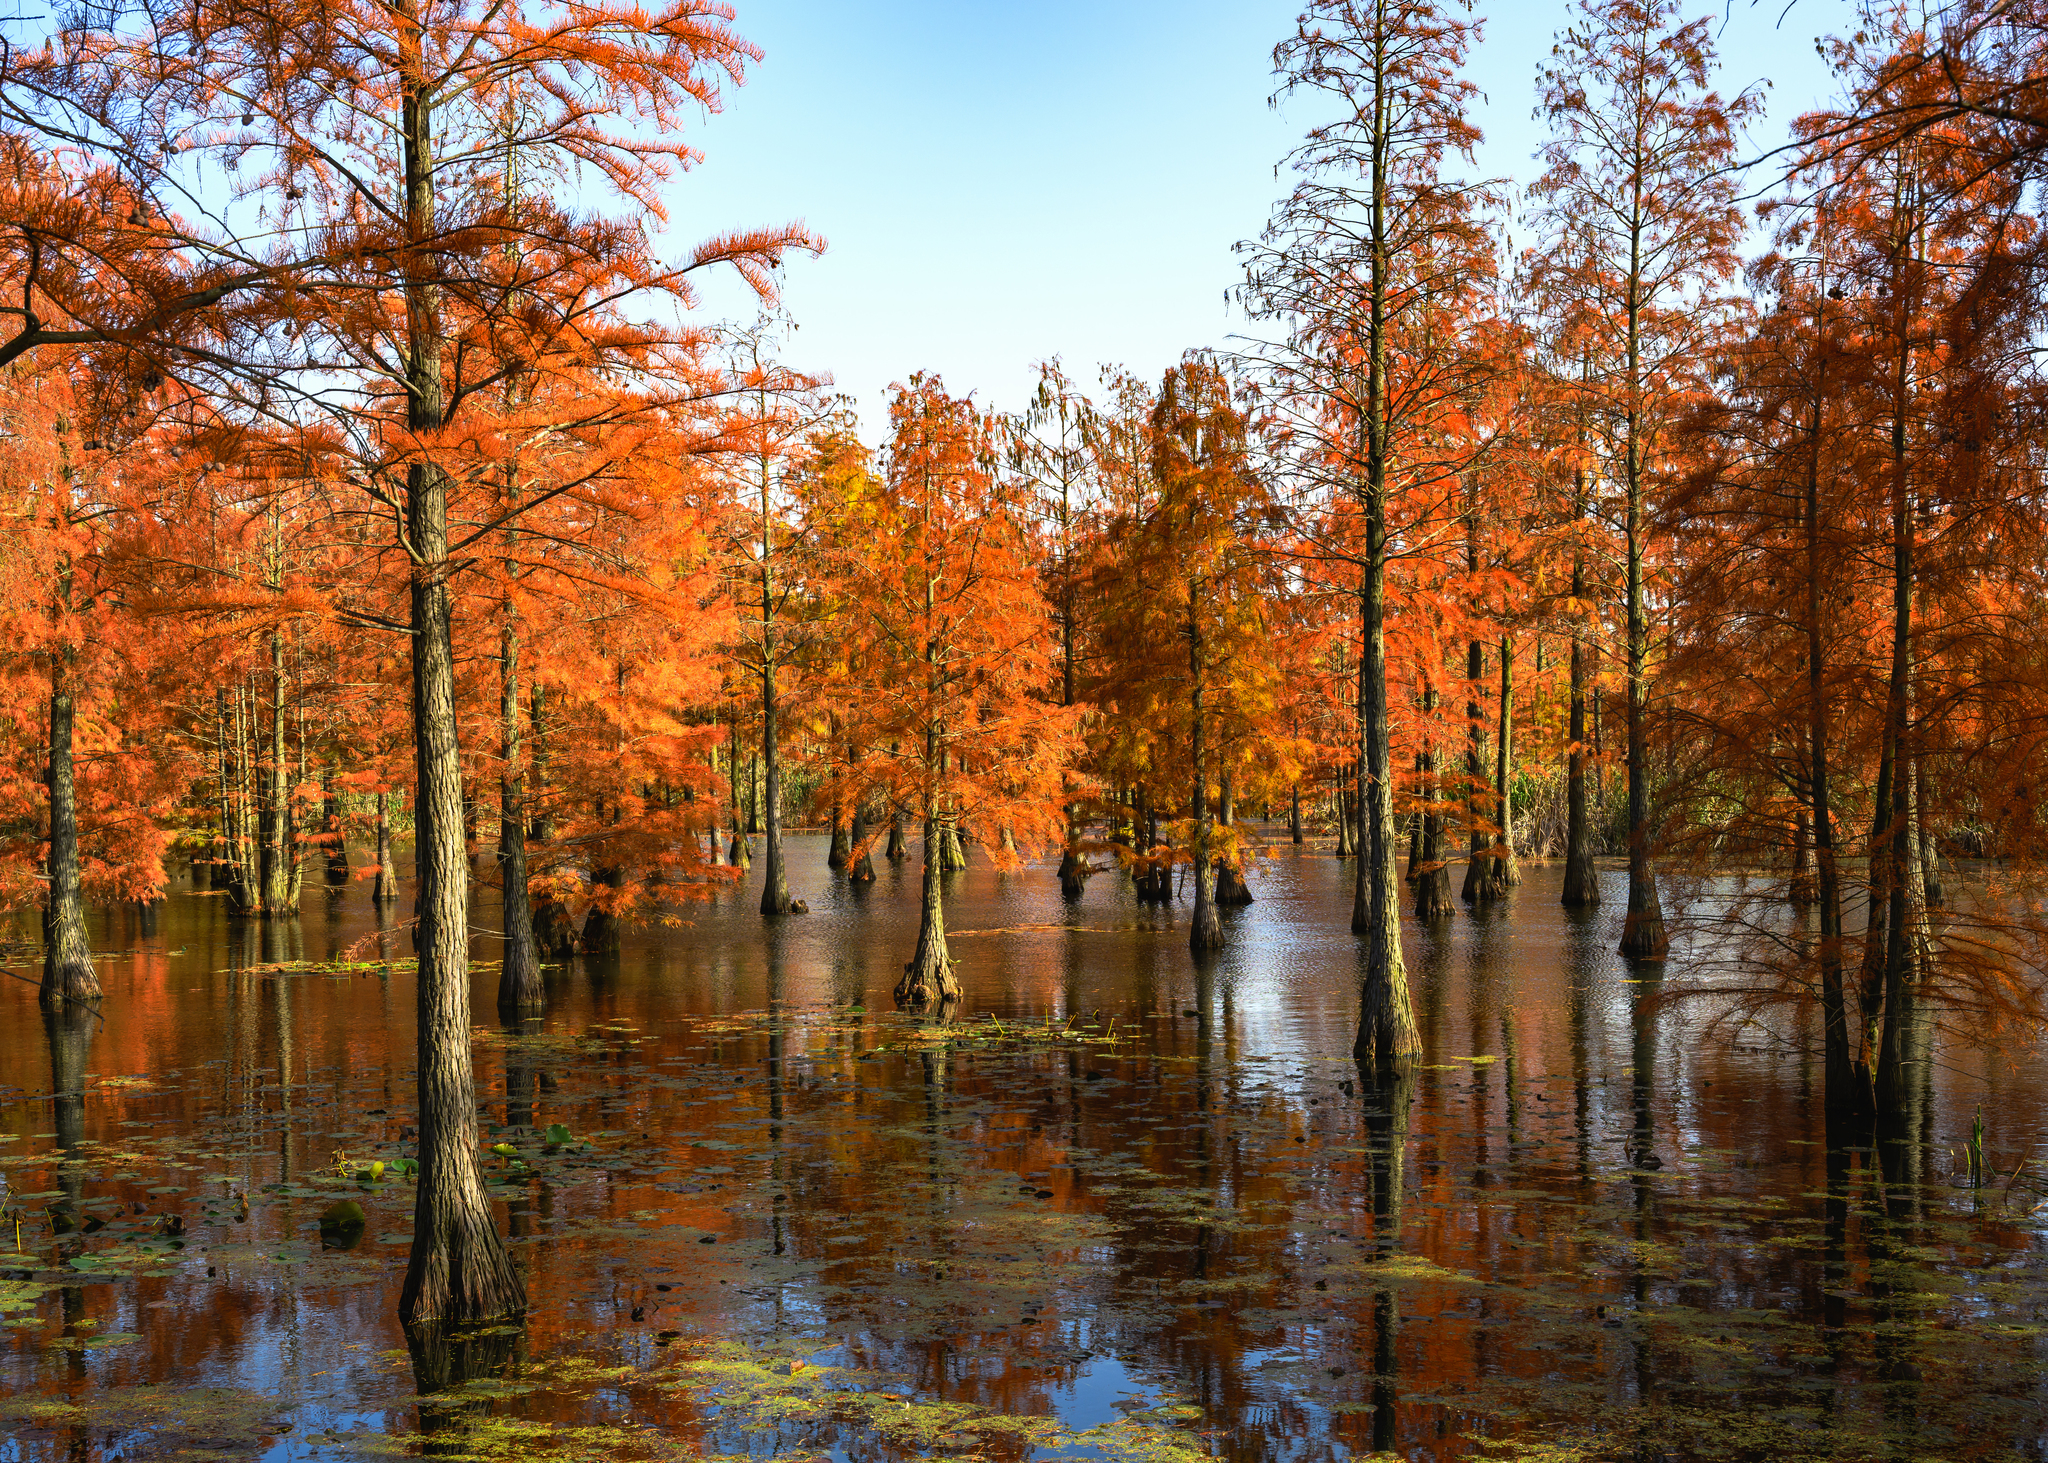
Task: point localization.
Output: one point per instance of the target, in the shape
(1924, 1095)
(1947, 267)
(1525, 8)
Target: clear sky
(1003, 182)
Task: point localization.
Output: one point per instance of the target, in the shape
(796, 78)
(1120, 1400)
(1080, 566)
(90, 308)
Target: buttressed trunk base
(928, 977)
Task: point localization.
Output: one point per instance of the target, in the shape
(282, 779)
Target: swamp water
(1116, 1207)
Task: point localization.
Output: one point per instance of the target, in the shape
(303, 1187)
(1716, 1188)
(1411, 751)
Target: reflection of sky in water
(1092, 1397)
(1545, 1079)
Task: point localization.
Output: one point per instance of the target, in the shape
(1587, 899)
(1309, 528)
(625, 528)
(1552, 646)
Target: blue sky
(1002, 182)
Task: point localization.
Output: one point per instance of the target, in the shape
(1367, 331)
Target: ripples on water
(1115, 1208)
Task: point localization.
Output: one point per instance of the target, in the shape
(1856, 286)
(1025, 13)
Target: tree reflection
(1387, 1096)
(447, 1359)
(1645, 1007)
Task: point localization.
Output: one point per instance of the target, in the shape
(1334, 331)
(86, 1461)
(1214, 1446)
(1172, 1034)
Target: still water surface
(1116, 1207)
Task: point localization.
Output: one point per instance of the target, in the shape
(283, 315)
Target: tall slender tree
(1377, 265)
(772, 412)
(1051, 448)
(1637, 191)
(942, 593)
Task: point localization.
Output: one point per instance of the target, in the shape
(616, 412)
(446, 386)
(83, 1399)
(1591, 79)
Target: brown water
(1117, 1207)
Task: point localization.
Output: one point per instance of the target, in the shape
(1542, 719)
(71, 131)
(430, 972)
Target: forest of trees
(366, 484)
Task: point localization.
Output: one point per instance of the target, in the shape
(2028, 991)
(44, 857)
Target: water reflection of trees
(69, 1031)
(1387, 1098)
(910, 1153)
(446, 1360)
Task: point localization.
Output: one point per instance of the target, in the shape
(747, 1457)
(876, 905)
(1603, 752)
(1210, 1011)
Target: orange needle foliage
(364, 474)
(947, 632)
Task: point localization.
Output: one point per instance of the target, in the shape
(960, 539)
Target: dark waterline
(1618, 1224)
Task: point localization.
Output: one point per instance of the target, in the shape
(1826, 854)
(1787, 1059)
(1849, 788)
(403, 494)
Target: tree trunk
(1151, 878)
(1073, 866)
(738, 853)
(248, 888)
(1877, 878)
(1799, 890)
(276, 853)
(775, 881)
(554, 929)
(1347, 815)
(861, 870)
(841, 850)
(1205, 930)
(540, 826)
(295, 845)
(739, 850)
(68, 977)
(1432, 873)
(458, 1270)
(1930, 856)
(331, 833)
(1642, 932)
(1900, 849)
(218, 873)
(1581, 878)
(1231, 891)
(386, 890)
(1478, 887)
(229, 875)
(1415, 821)
(1506, 871)
(601, 924)
(928, 977)
(1387, 1038)
(1294, 812)
(1905, 970)
(520, 992)
(1599, 746)
(1847, 1089)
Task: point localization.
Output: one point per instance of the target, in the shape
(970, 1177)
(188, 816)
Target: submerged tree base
(1581, 882)
(69, 984)
(459, 1270)
(554, 932)
(600, 933)
(1232, 892)
(520, 991)
(1433, 894)
(929, 985)
(1643, 936)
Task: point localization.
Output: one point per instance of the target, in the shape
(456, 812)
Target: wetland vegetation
(1455, 873)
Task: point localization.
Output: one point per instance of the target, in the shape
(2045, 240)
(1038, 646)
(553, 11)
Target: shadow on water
(1114, 1203)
